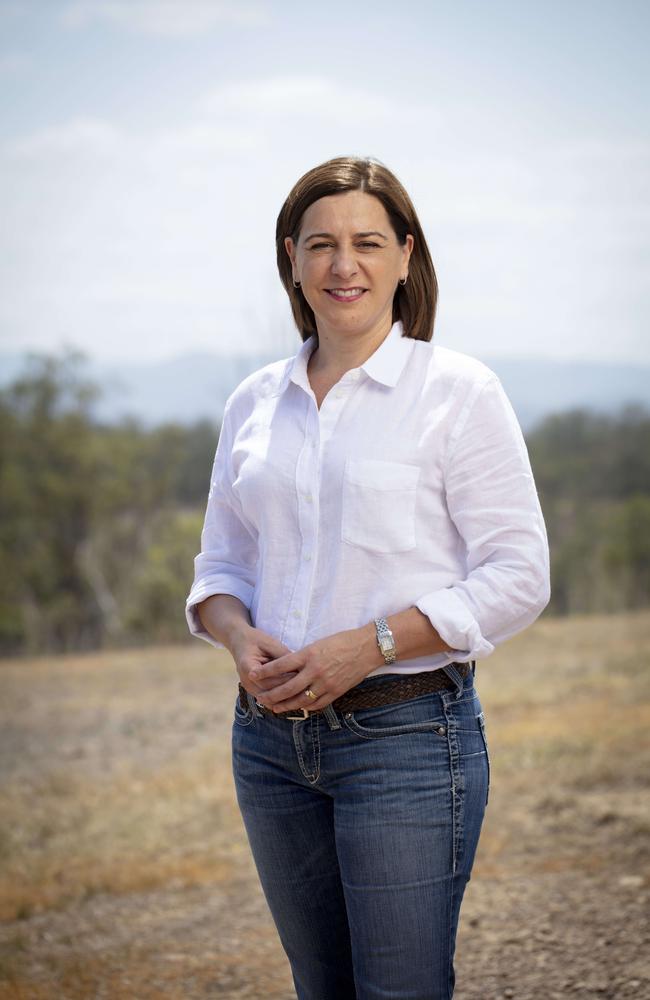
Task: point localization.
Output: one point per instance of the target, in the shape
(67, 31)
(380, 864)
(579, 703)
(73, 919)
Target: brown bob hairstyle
(415, 302)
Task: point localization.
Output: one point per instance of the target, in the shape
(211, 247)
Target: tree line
(99, 524)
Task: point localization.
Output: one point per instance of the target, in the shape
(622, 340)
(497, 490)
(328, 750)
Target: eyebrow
(331, 237)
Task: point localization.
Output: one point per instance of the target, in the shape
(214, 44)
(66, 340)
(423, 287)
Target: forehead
(354, 211)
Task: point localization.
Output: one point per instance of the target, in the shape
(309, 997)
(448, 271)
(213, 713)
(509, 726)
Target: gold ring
(310, 694)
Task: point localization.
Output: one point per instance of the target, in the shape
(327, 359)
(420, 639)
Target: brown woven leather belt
(382, 693)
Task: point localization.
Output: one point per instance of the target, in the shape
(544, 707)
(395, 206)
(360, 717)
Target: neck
(338, 352)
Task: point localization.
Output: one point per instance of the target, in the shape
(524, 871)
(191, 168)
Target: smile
(345, 294)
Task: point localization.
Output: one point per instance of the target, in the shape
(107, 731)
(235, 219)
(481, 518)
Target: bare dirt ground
(125, 871)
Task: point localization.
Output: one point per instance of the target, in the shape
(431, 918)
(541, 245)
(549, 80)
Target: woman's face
(349, 261)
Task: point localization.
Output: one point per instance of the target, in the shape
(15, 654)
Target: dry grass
(125, 870)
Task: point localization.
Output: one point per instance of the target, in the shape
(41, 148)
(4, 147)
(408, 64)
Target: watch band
(385, 640)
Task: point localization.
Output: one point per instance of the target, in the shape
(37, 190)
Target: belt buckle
(305, 715)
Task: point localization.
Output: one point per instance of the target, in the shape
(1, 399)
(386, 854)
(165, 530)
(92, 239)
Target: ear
(407, 248)
(289, 246)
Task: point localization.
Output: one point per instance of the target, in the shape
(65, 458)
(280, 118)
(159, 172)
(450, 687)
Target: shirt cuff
(455, 623)
(206, 588)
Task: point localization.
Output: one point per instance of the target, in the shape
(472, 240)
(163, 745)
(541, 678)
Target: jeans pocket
(242, 716)
(481, 722)
(419, 715)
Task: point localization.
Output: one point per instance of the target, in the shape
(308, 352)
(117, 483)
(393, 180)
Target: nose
(344, 263)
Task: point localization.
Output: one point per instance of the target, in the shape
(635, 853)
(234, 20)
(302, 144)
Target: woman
(372, 529)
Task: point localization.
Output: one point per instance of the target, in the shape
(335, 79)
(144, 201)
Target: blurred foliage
(593, 477)
(99, 525)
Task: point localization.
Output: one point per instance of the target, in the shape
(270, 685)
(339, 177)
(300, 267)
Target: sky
(146, 147)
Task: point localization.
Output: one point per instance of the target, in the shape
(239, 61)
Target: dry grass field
(125, 872)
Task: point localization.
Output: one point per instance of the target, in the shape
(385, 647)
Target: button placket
(318, 429)
(307, 481)
(334, 404)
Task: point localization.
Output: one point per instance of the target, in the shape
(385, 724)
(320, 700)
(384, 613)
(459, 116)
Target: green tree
(47, 471)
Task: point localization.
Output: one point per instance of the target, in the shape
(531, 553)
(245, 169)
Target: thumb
(273, 647)
(288, 663)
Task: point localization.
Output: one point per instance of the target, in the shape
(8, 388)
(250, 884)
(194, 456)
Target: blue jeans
(363, 827)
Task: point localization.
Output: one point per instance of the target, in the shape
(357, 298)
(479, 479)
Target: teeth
(345, 293)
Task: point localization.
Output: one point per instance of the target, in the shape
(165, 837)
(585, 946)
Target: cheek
(314, 273)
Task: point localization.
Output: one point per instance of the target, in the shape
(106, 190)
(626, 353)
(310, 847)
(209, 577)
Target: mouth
(346, 294)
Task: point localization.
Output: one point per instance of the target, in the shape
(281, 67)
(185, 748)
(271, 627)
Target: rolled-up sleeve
(493, 502)
(228, 557)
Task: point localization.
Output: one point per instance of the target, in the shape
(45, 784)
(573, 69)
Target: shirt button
(297, 614)
(308, 498)
(307, 557)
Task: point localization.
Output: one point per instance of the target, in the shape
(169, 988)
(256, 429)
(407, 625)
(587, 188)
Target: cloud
(184, 147)
(170, 18)
(138, 240)
(79, 136)
(302, 95)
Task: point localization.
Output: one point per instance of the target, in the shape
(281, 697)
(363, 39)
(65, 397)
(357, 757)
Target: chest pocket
(378, 505)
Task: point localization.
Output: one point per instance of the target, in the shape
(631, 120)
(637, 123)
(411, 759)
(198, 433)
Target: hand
(328, 666)
(251, 650)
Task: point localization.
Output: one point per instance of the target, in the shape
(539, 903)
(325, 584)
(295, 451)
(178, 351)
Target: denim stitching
(481, 722)
(456, 782)
(369, 734)
(312, 778)
(315, 725)
(332, 719)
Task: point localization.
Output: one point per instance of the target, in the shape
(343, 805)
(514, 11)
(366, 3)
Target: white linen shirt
(410, 486)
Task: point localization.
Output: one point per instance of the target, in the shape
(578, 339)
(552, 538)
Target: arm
(218, 604)
(228, 557)
(217, 607)
(492, 500)
(227, 620)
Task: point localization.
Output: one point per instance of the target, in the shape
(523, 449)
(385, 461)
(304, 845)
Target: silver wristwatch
(385, 640)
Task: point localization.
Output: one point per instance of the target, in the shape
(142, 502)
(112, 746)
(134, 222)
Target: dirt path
(126, 874)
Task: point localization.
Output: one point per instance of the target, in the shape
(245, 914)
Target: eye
(369, 245)
(319, 246)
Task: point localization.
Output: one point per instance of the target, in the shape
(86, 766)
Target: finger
(270, 645)
(258, 691)
(295, 688)
(271, 683)
(274, 649)
(289, 663)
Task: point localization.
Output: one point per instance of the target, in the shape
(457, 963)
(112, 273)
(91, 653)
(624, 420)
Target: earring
(296, 284)
(403, 281)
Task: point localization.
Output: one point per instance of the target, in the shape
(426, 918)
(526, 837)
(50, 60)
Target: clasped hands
(328, 667)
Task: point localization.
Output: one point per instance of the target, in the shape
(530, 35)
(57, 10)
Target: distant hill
(538, 388)
(194, 386)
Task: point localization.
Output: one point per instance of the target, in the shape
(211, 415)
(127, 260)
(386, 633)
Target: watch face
(386, 644)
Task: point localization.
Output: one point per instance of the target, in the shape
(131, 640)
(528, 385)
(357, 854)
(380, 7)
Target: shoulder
(453, 368)
(259, 385)
(455, 385)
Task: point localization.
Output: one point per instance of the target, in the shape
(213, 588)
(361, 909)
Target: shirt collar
(384, 366)
(297, 369)
(389, 360)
